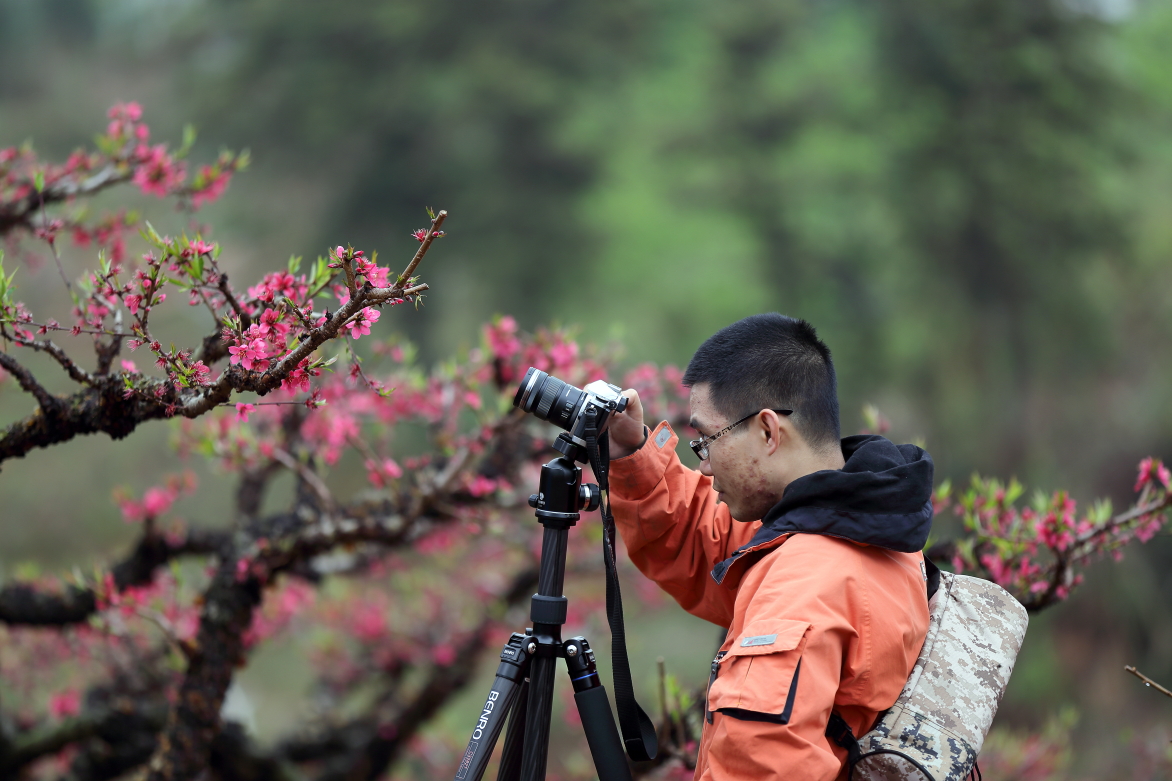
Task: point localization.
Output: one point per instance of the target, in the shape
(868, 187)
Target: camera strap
(638, 729)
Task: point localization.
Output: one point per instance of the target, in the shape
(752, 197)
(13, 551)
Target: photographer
(805, 546)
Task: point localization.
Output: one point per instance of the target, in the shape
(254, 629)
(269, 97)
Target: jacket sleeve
(673, 527)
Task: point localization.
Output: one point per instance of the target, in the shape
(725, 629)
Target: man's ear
(774, 430)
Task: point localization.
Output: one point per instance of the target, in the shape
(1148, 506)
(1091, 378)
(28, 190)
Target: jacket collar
(882, 497)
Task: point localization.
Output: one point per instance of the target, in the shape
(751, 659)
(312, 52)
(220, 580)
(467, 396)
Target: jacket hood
(882, 497)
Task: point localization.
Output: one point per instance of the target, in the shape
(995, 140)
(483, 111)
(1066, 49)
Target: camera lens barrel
(549, 398)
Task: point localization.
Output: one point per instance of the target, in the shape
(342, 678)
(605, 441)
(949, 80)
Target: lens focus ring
(550, 392)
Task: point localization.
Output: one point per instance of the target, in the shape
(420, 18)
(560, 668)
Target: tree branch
(20, 213)
(24, 604)
(50, 404)
(291, 540)
(405, 277)
(104, 406)
(1147, 681)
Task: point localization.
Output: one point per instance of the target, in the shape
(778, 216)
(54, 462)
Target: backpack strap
(837, 729)
(933, 576)
(840, 732)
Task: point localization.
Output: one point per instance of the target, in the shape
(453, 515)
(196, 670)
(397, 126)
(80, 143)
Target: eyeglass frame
(700, 446)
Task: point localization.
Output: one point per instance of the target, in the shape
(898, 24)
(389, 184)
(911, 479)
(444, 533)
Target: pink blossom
(379, 473)
(128, 366)
(243, 410)
(298, 379)
(1001, 574)
(200, 247)
(443, 654)
(213, 187)
(272, 327)
(279, 283)
(157, 172)
(361, 323)
(502, 338)
(157, 501)
(131, 111)
(481, 486)
(65, 703)
(1147, 468)
(368, 622)
(243, 566)
(251, 353)
(563, 354)
(376, 275)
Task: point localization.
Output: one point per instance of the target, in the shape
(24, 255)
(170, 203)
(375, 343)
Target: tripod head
(561, 493)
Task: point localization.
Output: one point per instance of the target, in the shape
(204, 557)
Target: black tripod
(524, 679)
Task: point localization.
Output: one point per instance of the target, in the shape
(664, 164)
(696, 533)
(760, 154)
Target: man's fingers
(626, 427)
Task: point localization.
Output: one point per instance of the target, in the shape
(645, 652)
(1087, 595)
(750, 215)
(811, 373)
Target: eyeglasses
(700, 446)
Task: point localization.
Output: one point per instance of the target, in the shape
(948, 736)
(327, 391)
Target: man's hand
(627, 432)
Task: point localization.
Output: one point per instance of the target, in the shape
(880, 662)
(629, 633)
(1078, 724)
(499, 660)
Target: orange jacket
(815, 622)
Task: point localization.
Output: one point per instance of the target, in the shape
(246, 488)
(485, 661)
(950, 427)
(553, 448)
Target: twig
(52, 242)
(245, 318)
(1125, 517)
(351, 281)
(75, 372)
(431, 232)
(167, 628)
(79, 330)
(265, 403)
(308, 475)
(1147, 681)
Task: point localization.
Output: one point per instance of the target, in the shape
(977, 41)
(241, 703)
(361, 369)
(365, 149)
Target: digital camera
(564, 405)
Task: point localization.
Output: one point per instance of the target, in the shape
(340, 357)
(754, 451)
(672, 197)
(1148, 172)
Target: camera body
(565, 406)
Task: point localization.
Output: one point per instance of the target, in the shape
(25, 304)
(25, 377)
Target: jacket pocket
(757, 679)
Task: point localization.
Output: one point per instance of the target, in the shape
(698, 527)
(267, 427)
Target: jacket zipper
(712, 680)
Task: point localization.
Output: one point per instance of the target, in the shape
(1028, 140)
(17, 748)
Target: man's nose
(706, 468)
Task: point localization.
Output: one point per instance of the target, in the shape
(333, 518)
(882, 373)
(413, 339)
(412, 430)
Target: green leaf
(39, 181)
(294, 264)
(188, 140)
(151, 235)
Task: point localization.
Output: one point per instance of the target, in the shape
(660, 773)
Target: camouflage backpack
(937, 726)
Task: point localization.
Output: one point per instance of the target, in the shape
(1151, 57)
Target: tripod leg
(509, 676)
(537, 718)
(606, 748)
(510, 769)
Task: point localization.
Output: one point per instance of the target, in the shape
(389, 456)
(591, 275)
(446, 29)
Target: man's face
(736, 461)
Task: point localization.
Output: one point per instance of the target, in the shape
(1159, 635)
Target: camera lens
(549, 398)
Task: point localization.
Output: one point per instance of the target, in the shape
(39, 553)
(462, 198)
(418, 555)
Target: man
(805, 546)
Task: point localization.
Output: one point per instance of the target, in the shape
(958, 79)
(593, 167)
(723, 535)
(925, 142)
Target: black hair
(771, 361)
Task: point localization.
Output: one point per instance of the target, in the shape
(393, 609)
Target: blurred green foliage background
(971, 200)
